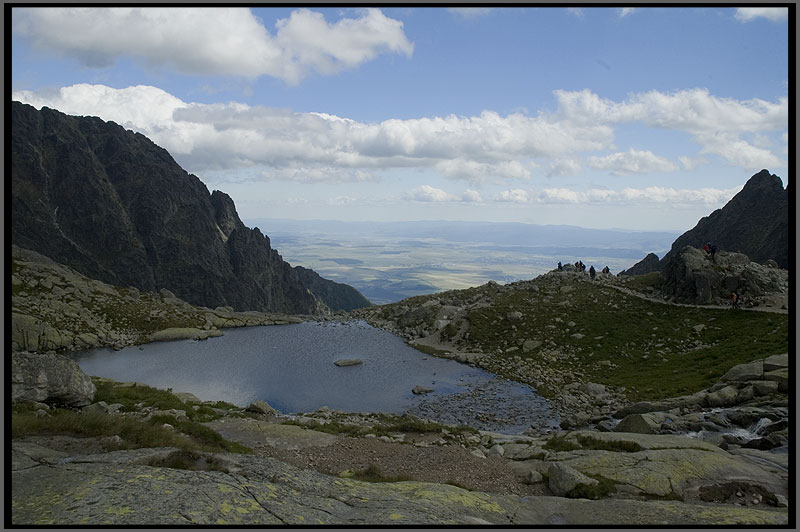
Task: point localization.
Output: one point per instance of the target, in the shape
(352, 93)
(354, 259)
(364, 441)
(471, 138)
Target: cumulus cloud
(632, 162)
(717, 124)
(488, 147)
(213, 40)
(429, 193)
(516, 195)
(640, 196)
(746, 14)
(564, 167)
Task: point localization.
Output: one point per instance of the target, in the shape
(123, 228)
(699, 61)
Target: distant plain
(390, 261)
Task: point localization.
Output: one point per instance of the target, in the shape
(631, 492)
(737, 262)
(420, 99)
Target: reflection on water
(292, 368)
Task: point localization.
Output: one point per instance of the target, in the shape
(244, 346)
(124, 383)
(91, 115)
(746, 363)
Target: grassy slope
(652, 349)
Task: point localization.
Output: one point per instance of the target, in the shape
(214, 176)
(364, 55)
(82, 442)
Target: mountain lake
(292, 368)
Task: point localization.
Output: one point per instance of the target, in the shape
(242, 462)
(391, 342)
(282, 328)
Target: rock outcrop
(49, 378)
(755, 222)
(647, 265)
(693, 276)
(124, 487)
(112, 205)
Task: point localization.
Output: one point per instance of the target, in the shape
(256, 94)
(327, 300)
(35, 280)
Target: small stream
(292, 368)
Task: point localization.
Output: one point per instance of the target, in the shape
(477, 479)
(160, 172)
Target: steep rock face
(114, 206)
(754, 222)
(647, 265)
(336, 296)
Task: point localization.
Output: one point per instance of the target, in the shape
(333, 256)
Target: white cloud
(637, 196)
(625, 11)
(690, 163)
(746, 14)
(341, 200)
(577, 11)
(516, 195)
(470, 12)
(717, 124)
(564, 167)
(632, 162)
(282, 144)
(429, 193)
(213, 40)
(471, 196)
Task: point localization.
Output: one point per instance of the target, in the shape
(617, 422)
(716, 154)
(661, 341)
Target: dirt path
(776, 301)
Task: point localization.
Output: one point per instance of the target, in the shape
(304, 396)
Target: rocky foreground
(716, 456)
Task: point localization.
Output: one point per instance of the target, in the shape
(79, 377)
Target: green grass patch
(188, 435)
(596, 444)
(189, 460)
(650, 348)
(131, 395)
(603, 488)
(560, 444)
(373, 473)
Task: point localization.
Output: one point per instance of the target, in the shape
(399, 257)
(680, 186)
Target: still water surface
(291, 367)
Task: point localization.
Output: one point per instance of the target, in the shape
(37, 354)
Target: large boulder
(562, 479)
(49, 378)
(745, 372)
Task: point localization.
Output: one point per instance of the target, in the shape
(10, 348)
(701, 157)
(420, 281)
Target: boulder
(49, 378)
(262, 407)
(723, 397)
(776, 362)
(639, 424)
(419, 390)
(593, 389)
(562, 479)
(187, 397)
(781, 376)
(745, 372)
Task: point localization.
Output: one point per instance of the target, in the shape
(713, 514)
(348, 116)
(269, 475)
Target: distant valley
(390, 261)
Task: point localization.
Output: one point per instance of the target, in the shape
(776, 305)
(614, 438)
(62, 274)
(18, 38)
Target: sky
(632, 118)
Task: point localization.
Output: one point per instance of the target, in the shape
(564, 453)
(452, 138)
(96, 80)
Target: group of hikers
(581, 267)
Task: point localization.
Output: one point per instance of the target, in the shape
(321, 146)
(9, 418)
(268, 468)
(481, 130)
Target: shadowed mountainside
(116, 207)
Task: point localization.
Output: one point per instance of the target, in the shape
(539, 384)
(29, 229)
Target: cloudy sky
(646, 118)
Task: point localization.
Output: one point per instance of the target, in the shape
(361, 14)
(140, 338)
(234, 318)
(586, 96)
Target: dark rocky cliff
(754, 222)
(114, 206)
(337, 296)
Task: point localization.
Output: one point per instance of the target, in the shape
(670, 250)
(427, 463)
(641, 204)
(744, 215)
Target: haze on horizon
(539, 115)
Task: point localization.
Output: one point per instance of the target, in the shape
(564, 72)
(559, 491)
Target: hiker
(734, 300)
(560, 268)
(707, 248)
(606, 270)
(713, 251)
(592, 272)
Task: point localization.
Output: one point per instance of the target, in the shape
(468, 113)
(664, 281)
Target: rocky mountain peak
(116, 207)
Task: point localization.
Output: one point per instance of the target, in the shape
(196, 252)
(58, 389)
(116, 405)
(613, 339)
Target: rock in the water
(261, 407)
(563, 479)
(419, 390)
(349, 362)
(49, 378)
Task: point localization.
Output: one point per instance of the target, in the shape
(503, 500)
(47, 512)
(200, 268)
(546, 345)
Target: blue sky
(646, 118)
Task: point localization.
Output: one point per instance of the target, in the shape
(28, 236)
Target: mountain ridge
(116, 207)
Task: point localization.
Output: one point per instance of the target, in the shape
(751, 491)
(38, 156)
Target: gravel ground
(440, 464)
